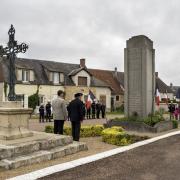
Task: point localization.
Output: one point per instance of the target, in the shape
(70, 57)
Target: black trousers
(88, 113)
(48, 116)
(103, 114)
(76, 126)
(41, 117)
(58, 126)
(97, 114)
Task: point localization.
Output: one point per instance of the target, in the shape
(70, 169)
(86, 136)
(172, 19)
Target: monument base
(38, 148)
(14, 123)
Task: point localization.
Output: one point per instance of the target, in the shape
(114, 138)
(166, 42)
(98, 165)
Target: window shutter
(50, 76)
(19, 74)
(31, 72)
(61, 77)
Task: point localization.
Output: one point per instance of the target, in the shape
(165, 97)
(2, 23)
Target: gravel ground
(95, 145)
(156, 161)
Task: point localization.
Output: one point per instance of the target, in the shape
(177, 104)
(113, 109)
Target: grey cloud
(66, 30)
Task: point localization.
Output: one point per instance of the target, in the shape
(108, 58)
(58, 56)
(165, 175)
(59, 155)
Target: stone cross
(10, 51)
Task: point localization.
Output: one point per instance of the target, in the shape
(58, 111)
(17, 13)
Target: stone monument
(139, 69)
(19, 146)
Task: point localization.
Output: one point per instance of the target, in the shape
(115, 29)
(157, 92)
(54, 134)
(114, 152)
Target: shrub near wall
(117, 136)
(86, 131)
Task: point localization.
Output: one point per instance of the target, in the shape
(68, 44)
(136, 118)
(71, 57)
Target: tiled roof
(39, 66)
(109, 78)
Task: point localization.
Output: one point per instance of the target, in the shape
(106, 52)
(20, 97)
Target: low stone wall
(140, 126)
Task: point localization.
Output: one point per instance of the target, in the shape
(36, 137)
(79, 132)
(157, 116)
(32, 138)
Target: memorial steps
(41, 147)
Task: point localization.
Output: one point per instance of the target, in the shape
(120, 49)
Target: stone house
(49, 77)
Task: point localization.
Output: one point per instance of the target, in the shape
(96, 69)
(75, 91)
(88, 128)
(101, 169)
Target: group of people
(75, 112)
(174, 111)
(94, 110)
(45, 112)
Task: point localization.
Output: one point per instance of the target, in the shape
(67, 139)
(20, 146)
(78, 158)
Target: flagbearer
(93, 107)
(89, 102)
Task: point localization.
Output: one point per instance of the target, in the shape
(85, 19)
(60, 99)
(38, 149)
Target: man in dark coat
(48, 111)
(171, 108)
(41, 113)
(103, 110)
(76, 114)
(98, 109)
(93, 107)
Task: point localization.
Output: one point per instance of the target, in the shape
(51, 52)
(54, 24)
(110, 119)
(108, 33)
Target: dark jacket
(76, 110)
(41, 109)
(48, 107)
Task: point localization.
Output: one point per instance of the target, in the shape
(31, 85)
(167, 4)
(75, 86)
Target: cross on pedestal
(10, 51)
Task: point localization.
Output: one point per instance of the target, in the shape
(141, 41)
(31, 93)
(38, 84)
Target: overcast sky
(67, 30)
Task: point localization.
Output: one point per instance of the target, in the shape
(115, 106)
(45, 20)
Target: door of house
(103, 99)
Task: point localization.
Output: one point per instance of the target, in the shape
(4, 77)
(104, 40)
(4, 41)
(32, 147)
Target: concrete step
(9, 151)
(42, 155)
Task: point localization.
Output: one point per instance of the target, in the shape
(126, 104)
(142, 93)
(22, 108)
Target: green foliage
(117, 136)
(86, 131)
(175, 124)
(151, 120)
(33, 100)
(120, 108)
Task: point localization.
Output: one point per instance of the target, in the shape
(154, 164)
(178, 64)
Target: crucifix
(10, 51)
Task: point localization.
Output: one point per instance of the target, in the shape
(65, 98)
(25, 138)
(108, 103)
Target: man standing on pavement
(59, 112)
(98, 109)
(76, 114)
(48, 111)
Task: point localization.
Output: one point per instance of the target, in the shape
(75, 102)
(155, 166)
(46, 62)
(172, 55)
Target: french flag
(158, 97)
(90, 99)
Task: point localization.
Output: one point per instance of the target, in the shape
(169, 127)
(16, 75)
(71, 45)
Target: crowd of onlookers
(94, 110)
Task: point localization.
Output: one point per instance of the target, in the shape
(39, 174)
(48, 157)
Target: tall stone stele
(139, 68)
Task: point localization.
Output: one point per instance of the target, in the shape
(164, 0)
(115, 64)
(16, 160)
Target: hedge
(117, 136)
(86, 131)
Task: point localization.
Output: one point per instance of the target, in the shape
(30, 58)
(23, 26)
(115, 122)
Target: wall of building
(104, 92)
(120, 102)
(48, 91)
(71, 90)
(1, 91)
(83, 74)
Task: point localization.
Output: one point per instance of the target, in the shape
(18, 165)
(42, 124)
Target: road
(156, 161)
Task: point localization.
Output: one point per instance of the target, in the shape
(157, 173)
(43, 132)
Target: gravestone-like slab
(139, 69)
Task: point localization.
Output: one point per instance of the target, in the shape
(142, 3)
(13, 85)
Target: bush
(116, 136)
(175, 124)
(33, 101)
(86, 131)
(151, 120)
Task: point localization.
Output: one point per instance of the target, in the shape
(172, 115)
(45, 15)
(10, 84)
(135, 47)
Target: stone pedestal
(139, 69)
(14, 123)
(14, 120)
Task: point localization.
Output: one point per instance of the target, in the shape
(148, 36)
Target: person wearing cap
(48, 111)
(59, 112)
(41, 113)
(76, 115)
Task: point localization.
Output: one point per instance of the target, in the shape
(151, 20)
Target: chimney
(82, 63)
(115, 72)
(171, 85)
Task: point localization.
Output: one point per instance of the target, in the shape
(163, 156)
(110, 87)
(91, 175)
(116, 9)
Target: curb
(72, 164)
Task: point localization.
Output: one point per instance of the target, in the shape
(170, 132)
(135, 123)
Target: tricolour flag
(90, 99)
(158, 97)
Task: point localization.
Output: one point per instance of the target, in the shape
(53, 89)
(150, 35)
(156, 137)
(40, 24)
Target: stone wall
(1, 91)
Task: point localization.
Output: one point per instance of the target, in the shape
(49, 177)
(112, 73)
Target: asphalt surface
(156, 161)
